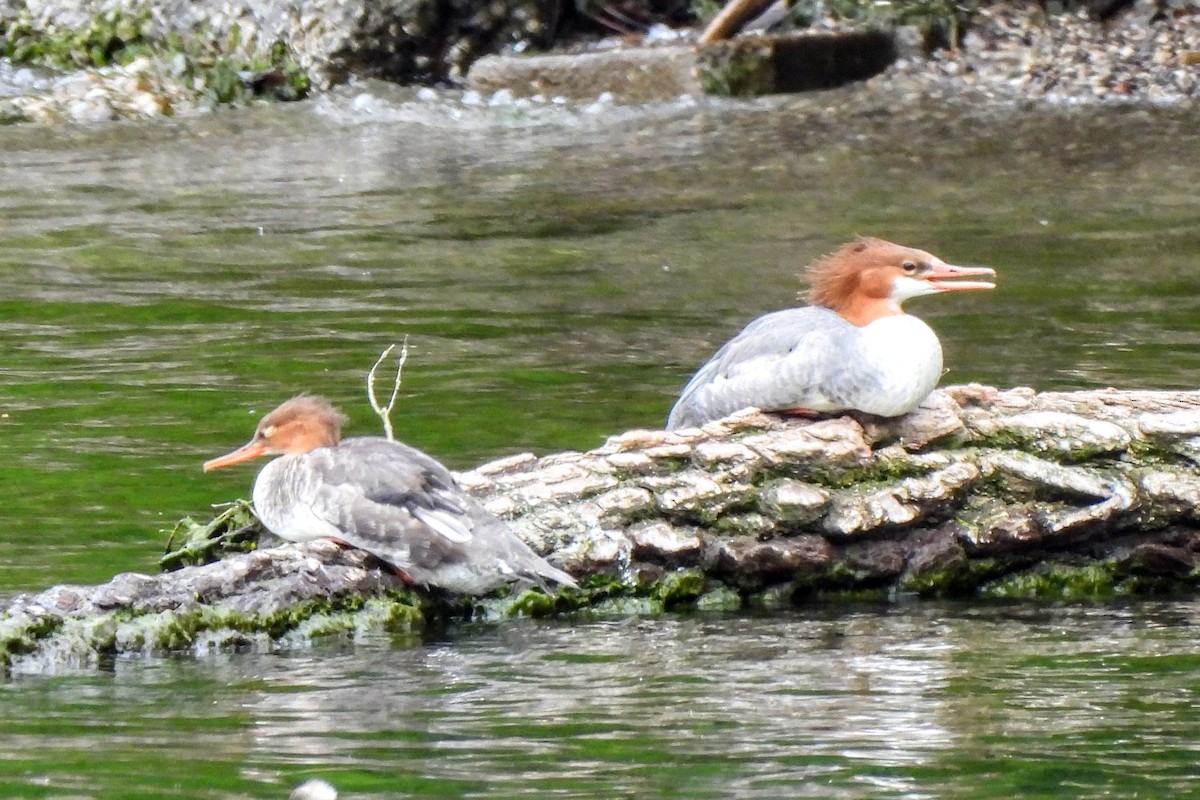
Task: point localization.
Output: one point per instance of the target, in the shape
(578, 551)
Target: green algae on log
(980, 493)
(974, 488)
(265, 598)
(234, 529)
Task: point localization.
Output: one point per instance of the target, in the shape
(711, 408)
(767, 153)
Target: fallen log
(980, 493)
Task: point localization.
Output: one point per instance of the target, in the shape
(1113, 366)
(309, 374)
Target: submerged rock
(742, 67)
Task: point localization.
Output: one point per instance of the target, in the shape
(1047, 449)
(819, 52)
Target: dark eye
(909, 266)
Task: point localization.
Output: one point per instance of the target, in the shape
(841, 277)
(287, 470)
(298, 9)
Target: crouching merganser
(381, 496)
(853, 349)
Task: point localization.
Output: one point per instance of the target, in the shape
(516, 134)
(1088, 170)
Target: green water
(927, 701)
(559, 272)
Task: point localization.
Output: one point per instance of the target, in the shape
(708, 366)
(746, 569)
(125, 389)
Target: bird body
(853, 349)
(384, 497)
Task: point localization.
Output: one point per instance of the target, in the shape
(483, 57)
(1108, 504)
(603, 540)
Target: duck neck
(861, 310)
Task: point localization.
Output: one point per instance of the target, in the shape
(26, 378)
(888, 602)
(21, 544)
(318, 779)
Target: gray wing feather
(770, 365)
(394, 501)
(406, 508)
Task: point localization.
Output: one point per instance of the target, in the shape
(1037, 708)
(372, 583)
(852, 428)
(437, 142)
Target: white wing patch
(449, 526)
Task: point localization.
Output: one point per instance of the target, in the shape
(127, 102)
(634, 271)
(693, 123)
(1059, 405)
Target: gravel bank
(1020, 53)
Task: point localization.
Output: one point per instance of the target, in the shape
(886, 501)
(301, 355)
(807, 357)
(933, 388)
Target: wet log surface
(980, 493)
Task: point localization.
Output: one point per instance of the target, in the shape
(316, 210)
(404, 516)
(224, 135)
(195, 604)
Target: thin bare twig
(385, 411)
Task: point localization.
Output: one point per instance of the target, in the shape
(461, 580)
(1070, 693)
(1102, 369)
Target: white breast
(906, 356)
(284, 497)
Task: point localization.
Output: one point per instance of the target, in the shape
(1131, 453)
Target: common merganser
(853, 349)
(381, 496)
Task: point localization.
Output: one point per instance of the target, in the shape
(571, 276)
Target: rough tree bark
(979, 493)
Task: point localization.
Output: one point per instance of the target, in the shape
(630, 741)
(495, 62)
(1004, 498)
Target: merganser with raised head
(852, 349)
(381, 496)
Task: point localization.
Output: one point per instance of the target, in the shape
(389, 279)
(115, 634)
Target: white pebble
(503, 97)
(314, 789)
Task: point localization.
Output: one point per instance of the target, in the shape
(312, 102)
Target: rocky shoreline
(1150, 53)
(1068, 58)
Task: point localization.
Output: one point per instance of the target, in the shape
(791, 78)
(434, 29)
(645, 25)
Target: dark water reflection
(559, 273)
